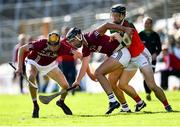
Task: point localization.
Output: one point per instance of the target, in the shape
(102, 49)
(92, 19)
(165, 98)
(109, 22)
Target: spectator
(152, 42)
(176, 49)
(172, 67)
(21, 42)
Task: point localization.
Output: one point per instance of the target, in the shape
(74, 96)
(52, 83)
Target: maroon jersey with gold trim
(41, 53)
(98, 43)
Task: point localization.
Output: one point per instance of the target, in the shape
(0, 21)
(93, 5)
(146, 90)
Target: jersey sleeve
(37, 45)
(85, 51)
(94, 35)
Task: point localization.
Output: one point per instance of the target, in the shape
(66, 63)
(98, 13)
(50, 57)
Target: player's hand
(112, 38)
(76, 83)
(116, 36)
(19, 70)
(129, 30)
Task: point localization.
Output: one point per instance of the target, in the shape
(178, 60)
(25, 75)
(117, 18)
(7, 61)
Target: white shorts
(123, 56)
(140, 61)
(43, 70)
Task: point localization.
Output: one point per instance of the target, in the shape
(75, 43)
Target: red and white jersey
(137, 45)
(41, 53)
(98, 43)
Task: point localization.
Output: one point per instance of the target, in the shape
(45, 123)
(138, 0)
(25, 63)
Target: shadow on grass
(149, 112)
(111, 115)
(132, 113)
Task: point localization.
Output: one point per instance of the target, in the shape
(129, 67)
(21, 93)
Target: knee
(121, 86)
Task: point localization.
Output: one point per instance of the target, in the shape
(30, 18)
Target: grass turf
(88, 109)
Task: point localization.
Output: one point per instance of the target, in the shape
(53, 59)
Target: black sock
(35, 104)
(61, 100)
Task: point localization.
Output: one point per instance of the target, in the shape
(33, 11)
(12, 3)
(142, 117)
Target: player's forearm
(115, 27)
(77, 55)
(84, 67)
(89, 72)
(82, 72)
(103, 28)
(20, 57)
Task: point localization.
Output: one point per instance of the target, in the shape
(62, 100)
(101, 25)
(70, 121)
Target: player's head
(53, 38)
(74, 37)
(118, 13)
(148, 23)
(22, 39)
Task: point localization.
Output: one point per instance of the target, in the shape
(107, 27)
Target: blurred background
(36, 18)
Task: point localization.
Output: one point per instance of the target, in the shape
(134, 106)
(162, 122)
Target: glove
(127, 39)
(123, 39)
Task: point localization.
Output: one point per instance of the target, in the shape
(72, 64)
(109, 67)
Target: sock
(111, 97)
(35, 103)
(125, 107)
(138, 100)
(165, 103)
(62, 100)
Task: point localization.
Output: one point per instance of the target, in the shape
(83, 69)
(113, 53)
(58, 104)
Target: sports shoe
(140, 106)
(64, 107)
(112, 106)
(168, 108)
(148, 97)
(35, 113)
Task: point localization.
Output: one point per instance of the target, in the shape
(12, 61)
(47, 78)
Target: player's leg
(59, 77)
(164, 79)
(113, 78)
(31, 72)
(149, 78)
(106, 67)
(144, 63)
(126, 76)
(21, 83)
(117, 60)
(147, 89)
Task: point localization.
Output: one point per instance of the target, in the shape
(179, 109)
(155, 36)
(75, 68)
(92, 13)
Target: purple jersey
(98, 43)
(40, 52)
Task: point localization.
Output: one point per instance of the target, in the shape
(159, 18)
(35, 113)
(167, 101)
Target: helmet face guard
(73, 34)
(53, 39)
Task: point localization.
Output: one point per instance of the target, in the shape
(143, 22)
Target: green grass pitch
(88, 110)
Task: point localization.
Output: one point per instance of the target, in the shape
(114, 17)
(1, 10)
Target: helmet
(72, 33)
(53, 38)
(118, 8)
